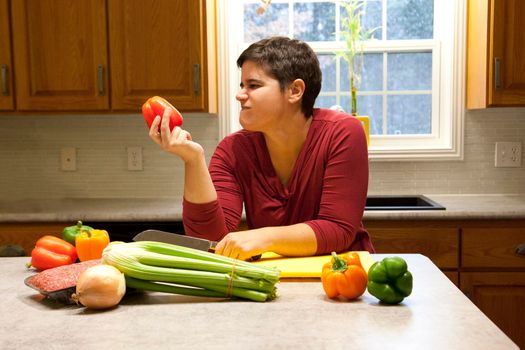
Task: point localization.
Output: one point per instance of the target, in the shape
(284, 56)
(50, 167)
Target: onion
(100, 287)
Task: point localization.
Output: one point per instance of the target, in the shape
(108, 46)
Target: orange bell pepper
(91, 243)
(344, 275)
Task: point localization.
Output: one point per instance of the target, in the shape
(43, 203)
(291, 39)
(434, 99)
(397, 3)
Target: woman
(301, 173)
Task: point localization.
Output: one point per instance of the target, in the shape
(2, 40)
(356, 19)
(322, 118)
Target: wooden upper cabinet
(495, 53)
(158, 47)
(6, 66)
(61, 54)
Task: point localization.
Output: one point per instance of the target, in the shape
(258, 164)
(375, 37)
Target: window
(412, 77)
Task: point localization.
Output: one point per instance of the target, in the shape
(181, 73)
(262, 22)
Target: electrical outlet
(68, 159)
(508, 155)
(134, 158)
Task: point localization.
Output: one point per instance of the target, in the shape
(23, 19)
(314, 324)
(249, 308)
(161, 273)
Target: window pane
(371, 73)
(371, 106)
(273, 22)
(410, 19)
(325, 101)
(327, 63)
(314, 21)
(409, 114)
(372, 14)
(410, 71)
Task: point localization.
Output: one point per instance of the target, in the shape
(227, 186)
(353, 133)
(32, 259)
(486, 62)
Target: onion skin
(100, 287)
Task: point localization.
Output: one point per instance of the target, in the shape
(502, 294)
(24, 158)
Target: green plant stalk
(354, 97)
(354, 37)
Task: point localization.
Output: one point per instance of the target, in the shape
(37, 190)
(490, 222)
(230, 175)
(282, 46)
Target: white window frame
(448, 47)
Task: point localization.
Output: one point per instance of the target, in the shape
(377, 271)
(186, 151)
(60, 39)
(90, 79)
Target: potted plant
(354, 36)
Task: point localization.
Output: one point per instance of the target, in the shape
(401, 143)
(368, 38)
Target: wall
(30, 158)
(474, 174)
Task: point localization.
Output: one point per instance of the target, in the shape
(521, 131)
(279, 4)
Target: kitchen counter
(467, 206)
(436, 316)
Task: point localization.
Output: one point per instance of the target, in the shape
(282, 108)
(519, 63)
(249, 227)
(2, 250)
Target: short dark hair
(287, 59)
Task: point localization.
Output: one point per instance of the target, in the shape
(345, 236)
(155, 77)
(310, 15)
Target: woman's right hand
(178, 141)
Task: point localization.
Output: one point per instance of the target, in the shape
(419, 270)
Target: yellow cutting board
(303, 267)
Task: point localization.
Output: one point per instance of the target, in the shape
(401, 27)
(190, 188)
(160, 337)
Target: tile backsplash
(30, 158)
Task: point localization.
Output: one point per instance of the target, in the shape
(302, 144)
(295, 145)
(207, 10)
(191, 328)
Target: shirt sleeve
(338, 225)
(215, 219)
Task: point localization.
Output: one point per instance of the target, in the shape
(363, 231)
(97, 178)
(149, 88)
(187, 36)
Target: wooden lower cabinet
(25, 235)
(501, 297)
(479, 256)
(439, 241)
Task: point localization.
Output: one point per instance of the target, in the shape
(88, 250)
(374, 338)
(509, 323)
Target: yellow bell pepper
(91, 243)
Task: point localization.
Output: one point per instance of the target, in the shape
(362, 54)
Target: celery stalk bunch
(169, 268)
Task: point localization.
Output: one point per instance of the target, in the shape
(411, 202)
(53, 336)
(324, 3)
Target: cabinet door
(494, 247)
(60, 49)
(501, 297)
(508, 53)
(157, 47)
(26, 234)
(6, 75)
(440, 244)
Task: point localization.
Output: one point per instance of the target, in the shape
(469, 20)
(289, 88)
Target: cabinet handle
(100, 71)
(5, 88)
(520, 250)
(197, 79)
(497, 73)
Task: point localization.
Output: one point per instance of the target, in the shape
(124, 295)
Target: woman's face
(262, 101)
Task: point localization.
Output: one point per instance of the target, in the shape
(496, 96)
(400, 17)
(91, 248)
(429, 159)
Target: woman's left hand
(243, 245)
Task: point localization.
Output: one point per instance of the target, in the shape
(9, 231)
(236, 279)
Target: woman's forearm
(292, 240)
(198, 186)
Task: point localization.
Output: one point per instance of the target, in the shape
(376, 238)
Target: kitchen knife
(182, 240)
(174, 238)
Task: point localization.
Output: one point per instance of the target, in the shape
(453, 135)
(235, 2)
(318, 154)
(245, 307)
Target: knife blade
(182, 240)
(175, 238)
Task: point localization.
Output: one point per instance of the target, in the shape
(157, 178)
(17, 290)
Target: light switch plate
(508, 155)
(68, 159)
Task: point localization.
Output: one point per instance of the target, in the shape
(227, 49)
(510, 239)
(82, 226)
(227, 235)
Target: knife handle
(255, 258)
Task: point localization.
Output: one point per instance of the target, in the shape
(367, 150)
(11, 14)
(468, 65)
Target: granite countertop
(462, 206)
(435, 316)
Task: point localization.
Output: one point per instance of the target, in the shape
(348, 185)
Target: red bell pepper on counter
(51, 251)
(155, 106)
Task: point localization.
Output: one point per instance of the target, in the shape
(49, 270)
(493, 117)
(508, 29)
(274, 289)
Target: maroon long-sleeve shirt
(327, 189)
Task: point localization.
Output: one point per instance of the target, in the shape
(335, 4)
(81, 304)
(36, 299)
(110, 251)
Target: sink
(403, 202)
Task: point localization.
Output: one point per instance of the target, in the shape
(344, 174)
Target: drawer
(25, 235)
(441, 245)
(492, 247)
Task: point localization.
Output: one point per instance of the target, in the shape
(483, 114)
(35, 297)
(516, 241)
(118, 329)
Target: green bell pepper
(70, 233)
(389, 280)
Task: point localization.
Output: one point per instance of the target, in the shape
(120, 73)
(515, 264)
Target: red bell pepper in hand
(155, 106)
(51, 251)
